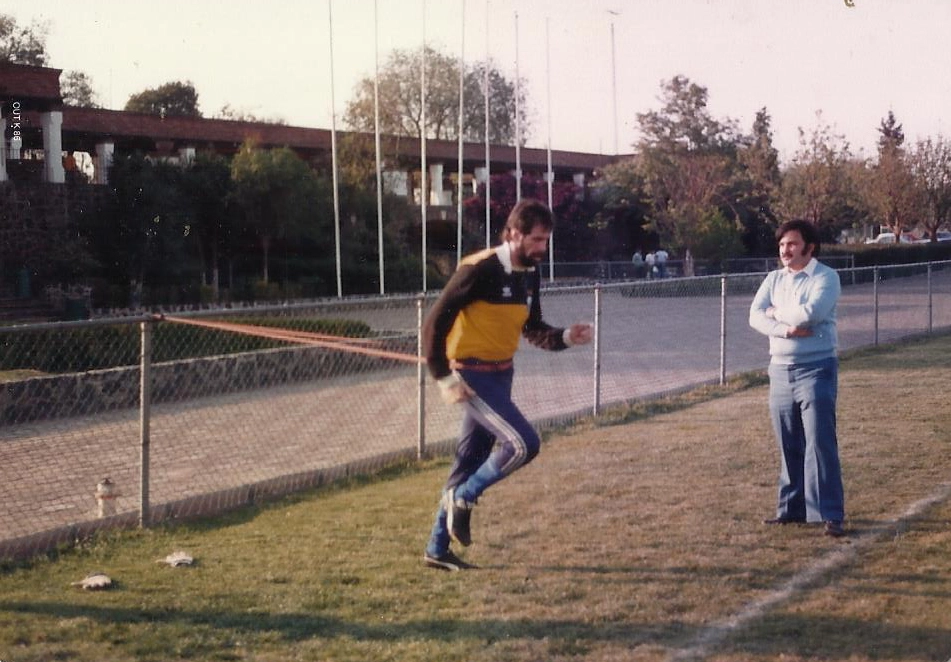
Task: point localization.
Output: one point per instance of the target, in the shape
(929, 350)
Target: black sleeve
(455, 296)
(536, 330)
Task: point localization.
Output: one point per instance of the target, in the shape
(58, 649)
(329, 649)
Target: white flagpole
(376, 122)
(423, 192)
(462, 76)
(614, 84)
(550, 176)
(333, 151)
(488, 170)
(518, 132)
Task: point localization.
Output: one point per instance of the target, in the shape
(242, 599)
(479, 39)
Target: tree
(77, 91)
(206, 184)
(892, 193)
(621, 193)
(761, 159)
(145, 242)
(228, 112)
(277, 193)
(756, 186)
(931, 167)
(573, 236)
(399, 83)
(688, 163)
(174, 98)
(22, 45)
(818, 184)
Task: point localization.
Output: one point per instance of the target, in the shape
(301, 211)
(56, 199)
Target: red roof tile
(23, 82)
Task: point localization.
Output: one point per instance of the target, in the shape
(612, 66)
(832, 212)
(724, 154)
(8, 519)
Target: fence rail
(185, 420)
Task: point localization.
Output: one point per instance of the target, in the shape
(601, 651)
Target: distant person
(689, 267)
(796, 308)
(650, 261)
(470, 337)
(638, 261)
(660, 258)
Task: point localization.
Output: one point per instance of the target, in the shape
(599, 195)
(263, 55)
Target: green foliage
(399, 83)
(689, 165)
(145, 238)
(22, 45)
(716, 238)
(77, 90)
(280, 198)
(113, 346)
(867, 255)
(931, 166)
(173, 98)
(822, 184)
(574, 237)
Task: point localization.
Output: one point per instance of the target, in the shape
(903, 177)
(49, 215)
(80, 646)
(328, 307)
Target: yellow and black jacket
(482, 311)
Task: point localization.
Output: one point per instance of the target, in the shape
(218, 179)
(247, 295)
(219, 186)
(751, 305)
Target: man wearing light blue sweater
(795, 308)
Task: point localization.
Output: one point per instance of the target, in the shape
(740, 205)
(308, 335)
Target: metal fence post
(145, 411)
(875, 304)
(930, 303)
(722, 330)
(420, 383)
(596, 408)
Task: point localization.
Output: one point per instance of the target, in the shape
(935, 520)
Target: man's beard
(525, 260)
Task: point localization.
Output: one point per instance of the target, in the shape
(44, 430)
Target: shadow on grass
(301, 627)
(772, 636)
(824, 637)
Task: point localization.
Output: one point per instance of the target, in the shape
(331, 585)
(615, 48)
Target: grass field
(635, 539)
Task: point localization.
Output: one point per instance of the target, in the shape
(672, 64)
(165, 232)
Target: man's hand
(580, 334)
(798, 332)
(453, 390)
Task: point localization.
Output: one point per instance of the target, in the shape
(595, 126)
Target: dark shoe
(458, 514)
(447, 561)
(785, 520)
(834, 528)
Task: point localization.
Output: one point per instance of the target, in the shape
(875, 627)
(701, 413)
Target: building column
(103, 161)
(3, 149)
(52, 123)
(435, 184)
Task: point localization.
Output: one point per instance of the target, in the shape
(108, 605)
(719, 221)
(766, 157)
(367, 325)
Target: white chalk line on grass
(716, 633)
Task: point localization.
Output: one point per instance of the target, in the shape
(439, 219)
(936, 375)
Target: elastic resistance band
(355, 345)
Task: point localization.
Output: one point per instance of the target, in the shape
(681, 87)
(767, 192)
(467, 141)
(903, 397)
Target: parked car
(889, 238)
(943, 235)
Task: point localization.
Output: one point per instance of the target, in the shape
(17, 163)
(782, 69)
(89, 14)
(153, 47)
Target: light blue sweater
(804, 299)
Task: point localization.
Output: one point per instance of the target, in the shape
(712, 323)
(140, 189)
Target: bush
(100, 347)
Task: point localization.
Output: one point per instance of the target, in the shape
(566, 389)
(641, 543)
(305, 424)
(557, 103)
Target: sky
(838, 63)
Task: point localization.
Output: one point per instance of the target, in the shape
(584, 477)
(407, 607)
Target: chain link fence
(138, 420)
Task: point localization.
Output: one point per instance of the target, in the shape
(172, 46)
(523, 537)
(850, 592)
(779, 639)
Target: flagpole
(423, 193)
(376, 123)
(462, 75)
(550, 175)
(614, 83)
(518, 132)
(333, 151)
(488, 169)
